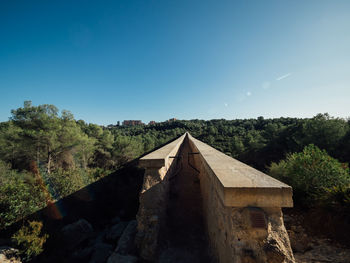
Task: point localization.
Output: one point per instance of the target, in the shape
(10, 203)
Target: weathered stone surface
(118, 258)
(126, 241)
(101, 252)
(238, 184)
(232, 233)
(9, 255)
(116, 220)
(229, 190)
(116, 231)
(324, 250)
(82, 254)
(76, 233)
(153, 197)
(299, 240)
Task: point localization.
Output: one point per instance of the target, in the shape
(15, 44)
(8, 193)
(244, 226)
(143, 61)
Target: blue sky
(152, 60)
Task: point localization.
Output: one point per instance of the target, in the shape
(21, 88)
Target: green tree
(20, 195)
(311, 173)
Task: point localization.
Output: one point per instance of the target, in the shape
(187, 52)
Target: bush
(311, 173)
(338, 197)
(65, 182)
(30, 240)
(18, 198)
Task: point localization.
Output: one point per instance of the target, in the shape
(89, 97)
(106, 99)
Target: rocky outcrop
(101, 252)
(76, 233)
(323, 250)
(126, 245)
(116, 231)
(9, 255)
(126, 241)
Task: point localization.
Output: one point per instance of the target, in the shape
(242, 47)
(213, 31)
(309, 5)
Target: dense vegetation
(313, 174)
(46, 154)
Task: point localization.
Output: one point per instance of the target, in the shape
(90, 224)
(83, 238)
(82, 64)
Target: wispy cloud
(284, 76)
(249, 93)
(225, 104)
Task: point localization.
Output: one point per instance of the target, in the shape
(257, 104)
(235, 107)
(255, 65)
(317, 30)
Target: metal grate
(257, 219)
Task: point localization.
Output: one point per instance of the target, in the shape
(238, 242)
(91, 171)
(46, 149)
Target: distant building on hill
(113, 126)
(172, 119)
(132, 122)
(152, 123)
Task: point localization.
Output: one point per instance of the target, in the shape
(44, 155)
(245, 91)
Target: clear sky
(152, 60)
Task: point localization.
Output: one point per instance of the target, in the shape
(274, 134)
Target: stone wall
(241, 206)
(159, 167)
(240, 234)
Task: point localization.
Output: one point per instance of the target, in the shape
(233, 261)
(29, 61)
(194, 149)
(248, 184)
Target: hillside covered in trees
(46, 154)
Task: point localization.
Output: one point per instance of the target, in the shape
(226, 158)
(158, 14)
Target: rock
(273, 252)
(115, 220)
(82, 254)
(299, 241)
(116, 231)
(117, 258)
(325, 251)
(9, 255)
(76, 233)
(101, 252)
(126, 241)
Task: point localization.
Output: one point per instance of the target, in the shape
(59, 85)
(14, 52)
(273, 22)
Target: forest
(45, 154)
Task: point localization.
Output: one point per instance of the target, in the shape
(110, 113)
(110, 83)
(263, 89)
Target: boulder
(299, 240)
(115, 220)
(117, 258)
(273, 251)
(101, 252)
(74, 234)
(82, 254)
(9, 255)
(116, 231)
(126, 241)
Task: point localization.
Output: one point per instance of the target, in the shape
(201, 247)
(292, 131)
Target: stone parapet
(238, 184)
(241, 205)
(242, 209)
(159, 166)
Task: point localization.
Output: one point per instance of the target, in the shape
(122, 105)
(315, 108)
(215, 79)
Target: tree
(310, 173)
(48, 138)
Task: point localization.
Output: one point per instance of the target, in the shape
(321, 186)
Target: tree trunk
(49, 160)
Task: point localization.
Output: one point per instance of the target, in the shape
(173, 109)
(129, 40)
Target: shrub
(18, 199)
(64, 182)
(311, 173)
(338, 197)
(30, 240)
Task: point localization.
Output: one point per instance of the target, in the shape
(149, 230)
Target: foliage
(311, 173)
(30, 239)
(338, 198)
(20, 195)
(46, 154)
(62, 182)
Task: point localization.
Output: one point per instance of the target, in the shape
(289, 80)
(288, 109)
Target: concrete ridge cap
(247, 175)
(159, 157)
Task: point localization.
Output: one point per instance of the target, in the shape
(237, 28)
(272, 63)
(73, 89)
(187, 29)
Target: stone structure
(132, 122)
(240, 206)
